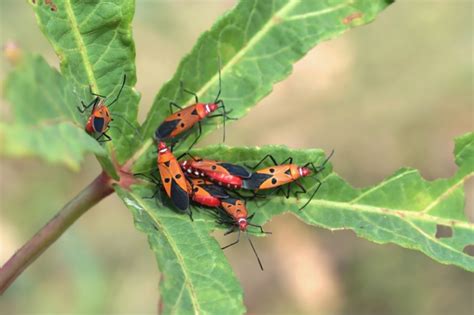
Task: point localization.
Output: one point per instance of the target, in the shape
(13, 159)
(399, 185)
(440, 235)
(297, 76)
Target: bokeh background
(390, 94)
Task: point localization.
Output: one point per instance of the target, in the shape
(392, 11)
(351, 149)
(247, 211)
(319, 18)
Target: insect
(185, 118)
(205, 193)
(100, 118)
(234, 213)
(224, 174)
(172, 178)
(285, 173)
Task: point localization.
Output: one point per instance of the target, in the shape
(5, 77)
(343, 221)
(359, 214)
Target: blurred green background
(393, 93)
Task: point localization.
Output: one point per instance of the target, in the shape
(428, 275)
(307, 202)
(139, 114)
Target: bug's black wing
(255, 181)
(236, 170)
(166, 128)
(179, 197)
(98, 123)
(215, 191)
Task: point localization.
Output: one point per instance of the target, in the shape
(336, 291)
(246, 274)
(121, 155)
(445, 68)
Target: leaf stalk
(97, 190)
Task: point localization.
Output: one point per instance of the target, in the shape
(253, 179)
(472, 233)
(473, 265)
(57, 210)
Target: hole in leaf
(443, 231)
(469, 250)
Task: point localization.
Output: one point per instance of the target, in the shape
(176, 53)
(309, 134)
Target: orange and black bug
(100, 118)
(205, 193)
(234, 213)
(224, 174)
(185, 118)
(172, 178)
(285, 173)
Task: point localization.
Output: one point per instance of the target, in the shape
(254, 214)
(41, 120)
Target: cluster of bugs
(219, 186)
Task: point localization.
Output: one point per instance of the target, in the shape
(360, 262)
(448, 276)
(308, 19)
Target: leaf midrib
(163, 229)
(80, 45)
(398, 212)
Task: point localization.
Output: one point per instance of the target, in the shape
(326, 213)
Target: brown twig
(100, 188)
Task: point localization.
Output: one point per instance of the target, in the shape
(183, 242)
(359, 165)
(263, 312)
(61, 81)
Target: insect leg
(260, 227)
(92, 93)
(232, 244)
(197, 137)
(189, 92)
(231, 230)
(268, 156)
(84, 106)
(108, 138)
(313, 194)
(175, 105)
(288, 161)
(302, 191)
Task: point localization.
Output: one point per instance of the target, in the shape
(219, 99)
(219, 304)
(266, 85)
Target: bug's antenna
(129, 124)
(120, 91)
(320, 168)
(327, 159)
(220, 80)
(254, 251)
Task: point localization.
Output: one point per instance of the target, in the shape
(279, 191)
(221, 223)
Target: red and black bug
(285, 173)
(222, 173)
(185, 118)
(172, 178)
(99, 120)
(234, 214)
(205, 193)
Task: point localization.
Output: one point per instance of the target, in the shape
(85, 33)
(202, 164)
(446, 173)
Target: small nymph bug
(100, 117)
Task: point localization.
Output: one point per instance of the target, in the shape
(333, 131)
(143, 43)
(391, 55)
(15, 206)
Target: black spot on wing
(166, 128)
(179, 197)
(236, 170)
(98, 124)
(255, 180)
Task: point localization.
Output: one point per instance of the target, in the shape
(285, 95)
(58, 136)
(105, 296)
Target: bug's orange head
(243, 223)
(304, 171)
(211, 107)
(162, 148)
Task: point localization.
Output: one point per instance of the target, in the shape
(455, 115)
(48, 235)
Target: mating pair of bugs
(215, 184)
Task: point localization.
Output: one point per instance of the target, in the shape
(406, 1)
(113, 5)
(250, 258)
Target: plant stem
(100, 188)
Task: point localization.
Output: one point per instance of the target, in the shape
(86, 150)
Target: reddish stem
(100, 188)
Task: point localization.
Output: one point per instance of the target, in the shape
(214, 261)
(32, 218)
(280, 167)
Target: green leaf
(44, 123)
(258, 41)
(404, 209)
(93, 41)
(197, 278)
